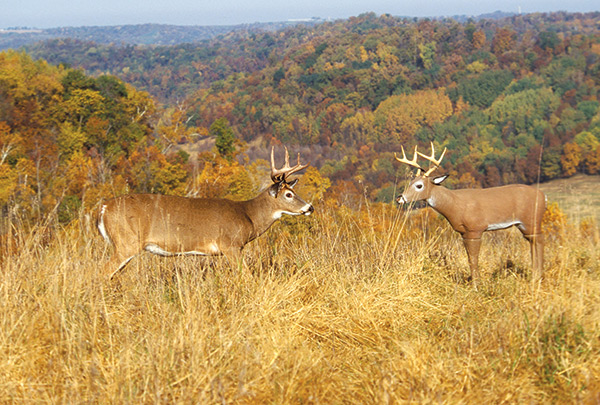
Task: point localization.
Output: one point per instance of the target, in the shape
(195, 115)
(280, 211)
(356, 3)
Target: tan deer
(173, 226)
(474, 211)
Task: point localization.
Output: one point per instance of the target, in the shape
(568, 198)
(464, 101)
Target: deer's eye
(289, 195)
(419, 186)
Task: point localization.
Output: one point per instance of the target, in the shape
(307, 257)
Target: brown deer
(174, 226)
(471, 212)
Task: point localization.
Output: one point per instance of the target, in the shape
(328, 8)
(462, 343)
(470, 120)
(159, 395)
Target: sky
(70, 13)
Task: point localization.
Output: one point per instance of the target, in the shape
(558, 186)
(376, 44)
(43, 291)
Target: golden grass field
(341, 307)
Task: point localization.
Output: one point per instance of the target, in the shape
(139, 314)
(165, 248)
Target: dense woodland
(513, 100)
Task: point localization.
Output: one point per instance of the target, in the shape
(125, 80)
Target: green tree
(548, 39)
(589, 108)
(482, 90)
(524, 109)
(225, 139)
(551, 167)
(427, 54)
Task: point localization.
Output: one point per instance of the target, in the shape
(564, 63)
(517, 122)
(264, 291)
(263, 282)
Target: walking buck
(175, 226)
(474, 211)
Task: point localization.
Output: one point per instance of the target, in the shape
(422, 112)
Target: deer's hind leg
(536, 243)
(126, 246)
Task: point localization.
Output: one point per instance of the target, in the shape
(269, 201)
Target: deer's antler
(412, 162)
(435, 162)
(280, 175)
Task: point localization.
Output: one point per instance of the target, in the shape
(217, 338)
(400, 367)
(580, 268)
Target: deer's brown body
(474, 211)
(169, 225)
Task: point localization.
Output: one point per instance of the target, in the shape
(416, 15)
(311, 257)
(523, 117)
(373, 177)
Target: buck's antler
(412, 162)
(432, 159)
(280, 175)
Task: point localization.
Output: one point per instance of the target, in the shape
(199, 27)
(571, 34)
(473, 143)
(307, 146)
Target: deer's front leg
(472, 246)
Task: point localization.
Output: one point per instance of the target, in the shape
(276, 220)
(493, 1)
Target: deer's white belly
(213, 249)
(502, 225)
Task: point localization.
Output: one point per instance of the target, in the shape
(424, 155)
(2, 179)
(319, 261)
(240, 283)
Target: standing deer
(474, 211)
(174, 226)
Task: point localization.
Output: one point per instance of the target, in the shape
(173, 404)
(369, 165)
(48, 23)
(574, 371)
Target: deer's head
(423, 184)
(283, 197)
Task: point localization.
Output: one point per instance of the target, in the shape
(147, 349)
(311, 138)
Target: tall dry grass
(340, 307)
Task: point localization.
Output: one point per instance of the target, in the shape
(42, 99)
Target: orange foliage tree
(570, 158)
(504, 40)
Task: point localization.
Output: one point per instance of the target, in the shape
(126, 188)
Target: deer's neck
(260, 213)
(443, 201)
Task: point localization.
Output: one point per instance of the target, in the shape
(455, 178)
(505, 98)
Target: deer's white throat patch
(303, 211)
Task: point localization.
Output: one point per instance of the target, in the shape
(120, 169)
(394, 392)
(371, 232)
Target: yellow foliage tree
(77, 173)
(150, 171)
(10, 142)
(313, 184)
(241, 187)
(398, 117)
(82, 104)
(216, 177)
(139, 104)
(359, 127)
(8, 183)
(173, 128)
(70, 140)
(554, 221)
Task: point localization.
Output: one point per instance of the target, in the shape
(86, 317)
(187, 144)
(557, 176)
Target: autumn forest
(513, 99)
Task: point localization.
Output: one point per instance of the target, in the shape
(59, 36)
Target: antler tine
(435, 162)
(279, 175)
(412, 162)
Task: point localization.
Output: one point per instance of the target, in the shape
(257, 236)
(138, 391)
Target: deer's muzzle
(309, 210)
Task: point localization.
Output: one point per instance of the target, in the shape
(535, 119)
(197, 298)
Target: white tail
(474, 211)
(169, 225)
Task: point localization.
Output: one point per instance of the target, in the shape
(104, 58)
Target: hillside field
(341, 307)
(578, 196)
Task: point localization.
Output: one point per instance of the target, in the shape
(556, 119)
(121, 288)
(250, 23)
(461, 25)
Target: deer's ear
(274, 190)
(439, 179)
(293, 183)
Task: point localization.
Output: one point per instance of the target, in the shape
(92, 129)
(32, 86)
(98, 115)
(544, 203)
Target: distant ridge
(164, 34)
(140, 34)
